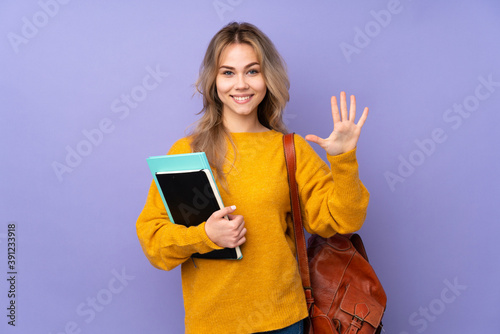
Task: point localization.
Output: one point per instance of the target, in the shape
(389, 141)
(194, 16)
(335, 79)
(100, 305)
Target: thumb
(225, 211)
(314, 139)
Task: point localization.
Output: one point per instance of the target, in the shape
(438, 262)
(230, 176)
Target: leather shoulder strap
(300, 241)
(358, 244)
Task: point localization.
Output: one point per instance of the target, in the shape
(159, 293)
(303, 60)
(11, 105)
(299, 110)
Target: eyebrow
(232, 68)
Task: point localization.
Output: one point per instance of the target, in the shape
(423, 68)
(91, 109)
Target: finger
(224, 211)
(363, 117)
(237, 222)
(315, 139)
(238, 238)
(242, 233)
(312, 138)
(241, 225)
(335, 110)
(240, 242)
(343, 107)
(352, 109)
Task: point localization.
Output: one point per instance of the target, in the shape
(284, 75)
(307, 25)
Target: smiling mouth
(241, 98)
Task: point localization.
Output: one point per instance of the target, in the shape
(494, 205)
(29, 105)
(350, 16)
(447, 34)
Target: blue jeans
(296, 328)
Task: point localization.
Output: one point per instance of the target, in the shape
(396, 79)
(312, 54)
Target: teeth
(237, 98)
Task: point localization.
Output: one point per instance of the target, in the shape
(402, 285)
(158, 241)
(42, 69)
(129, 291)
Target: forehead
(240, 54)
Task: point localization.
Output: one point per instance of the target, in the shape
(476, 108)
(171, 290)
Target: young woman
(245, 88)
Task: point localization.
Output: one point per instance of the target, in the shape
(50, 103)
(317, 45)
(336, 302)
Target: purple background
(431, 170)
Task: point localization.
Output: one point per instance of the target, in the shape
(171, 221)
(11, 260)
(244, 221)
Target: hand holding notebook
(223, 232)
(190, 195)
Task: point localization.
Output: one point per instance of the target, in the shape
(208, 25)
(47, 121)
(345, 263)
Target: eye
(253, 71)
(227, 73)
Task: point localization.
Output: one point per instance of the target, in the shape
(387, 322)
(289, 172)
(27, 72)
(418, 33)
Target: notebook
(189, 193)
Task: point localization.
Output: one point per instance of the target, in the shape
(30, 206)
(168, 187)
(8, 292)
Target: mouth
(242, 98)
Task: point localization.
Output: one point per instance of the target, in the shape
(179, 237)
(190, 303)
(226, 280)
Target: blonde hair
(210, 135)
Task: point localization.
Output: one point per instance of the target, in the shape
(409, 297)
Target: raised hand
(223, 232)
(345, 134)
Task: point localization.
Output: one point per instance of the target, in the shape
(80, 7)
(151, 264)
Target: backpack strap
(300, 240)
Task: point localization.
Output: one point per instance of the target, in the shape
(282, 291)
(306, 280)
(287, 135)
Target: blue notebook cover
(176, 164)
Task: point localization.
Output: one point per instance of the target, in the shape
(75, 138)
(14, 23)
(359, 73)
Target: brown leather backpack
(343, 293)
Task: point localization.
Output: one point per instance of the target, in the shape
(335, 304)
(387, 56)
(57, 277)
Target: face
(240, 84)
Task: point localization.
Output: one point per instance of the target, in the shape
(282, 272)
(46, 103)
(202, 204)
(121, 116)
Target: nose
(241, 82)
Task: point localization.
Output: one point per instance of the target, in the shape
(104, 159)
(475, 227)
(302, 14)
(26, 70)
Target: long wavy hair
(210, 135)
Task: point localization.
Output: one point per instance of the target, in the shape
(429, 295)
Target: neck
(243, 124)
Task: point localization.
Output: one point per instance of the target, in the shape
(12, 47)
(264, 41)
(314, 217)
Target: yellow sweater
(262, 291)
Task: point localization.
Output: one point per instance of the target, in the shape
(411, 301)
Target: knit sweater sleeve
(333, 200)
(166, 244)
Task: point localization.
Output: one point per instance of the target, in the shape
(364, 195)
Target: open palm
(345, 134)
